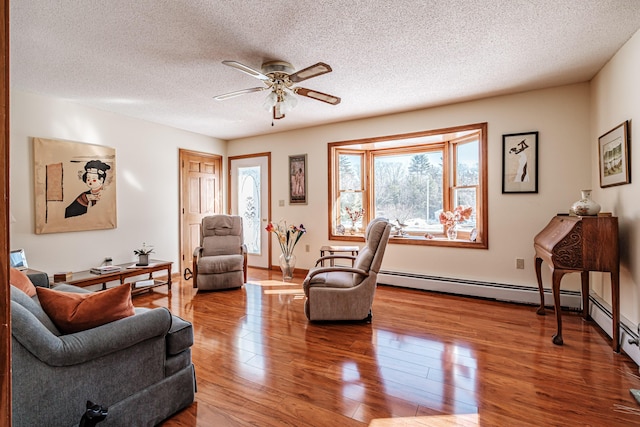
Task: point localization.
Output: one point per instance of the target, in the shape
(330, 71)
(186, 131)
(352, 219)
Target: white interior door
(249, 198)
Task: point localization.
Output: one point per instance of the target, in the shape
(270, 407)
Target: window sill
(419, 241)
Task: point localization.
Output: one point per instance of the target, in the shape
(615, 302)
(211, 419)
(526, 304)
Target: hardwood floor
(425, 360)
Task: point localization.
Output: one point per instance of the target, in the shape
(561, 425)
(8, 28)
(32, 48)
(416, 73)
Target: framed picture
(298, 179)
(520, 162)
(75, 186)
(613, 149)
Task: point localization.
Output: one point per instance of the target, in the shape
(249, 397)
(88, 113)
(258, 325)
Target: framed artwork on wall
(75, 186)
(520, 162)
(613, 152)
(298, 179)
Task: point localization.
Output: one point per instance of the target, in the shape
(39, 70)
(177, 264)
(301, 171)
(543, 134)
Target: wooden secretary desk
(582, 244)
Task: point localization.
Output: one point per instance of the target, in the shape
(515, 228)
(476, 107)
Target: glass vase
(452, 232)
(288, 266)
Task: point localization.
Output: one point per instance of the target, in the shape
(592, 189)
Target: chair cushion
(333, 279)
(220, 264)
(73, 312)
(20, 280)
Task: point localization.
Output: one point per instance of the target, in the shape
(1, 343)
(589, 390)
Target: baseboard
(499, 291)
(599, 310)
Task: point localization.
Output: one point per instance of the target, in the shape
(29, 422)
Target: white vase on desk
(585, 206)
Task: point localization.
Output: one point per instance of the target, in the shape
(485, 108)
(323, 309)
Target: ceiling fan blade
(238, 93)
(314, 94)
(246, 69)
(312, 71)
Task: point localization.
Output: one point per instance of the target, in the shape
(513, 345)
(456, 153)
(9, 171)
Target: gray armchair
(346, 293)
(220, 262)
(139, 367)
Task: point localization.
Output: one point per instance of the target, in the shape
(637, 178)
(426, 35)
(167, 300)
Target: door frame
(181, 207)
(266, 154)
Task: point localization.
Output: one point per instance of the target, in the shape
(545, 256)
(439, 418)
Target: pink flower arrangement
(459, 214)
(354, 214)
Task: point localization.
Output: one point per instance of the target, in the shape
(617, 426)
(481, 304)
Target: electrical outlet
(520, 263)
(280, 203)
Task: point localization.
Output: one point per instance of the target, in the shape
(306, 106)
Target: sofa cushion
(73, 312)
(20, 280)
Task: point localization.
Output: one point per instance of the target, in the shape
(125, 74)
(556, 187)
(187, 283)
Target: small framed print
(520, 163)
(613, 152)
(298, 179)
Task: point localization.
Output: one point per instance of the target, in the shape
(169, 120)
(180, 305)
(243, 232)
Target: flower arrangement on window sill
(288, 236)
(354, 215)
(451, 219)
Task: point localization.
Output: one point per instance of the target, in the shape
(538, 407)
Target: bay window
(411, 180)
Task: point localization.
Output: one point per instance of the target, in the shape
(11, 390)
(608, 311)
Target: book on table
(105, 269)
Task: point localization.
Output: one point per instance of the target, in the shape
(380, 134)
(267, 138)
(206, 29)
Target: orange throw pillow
(20, 280)
(72, 312)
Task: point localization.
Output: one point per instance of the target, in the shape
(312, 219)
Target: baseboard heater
(599, 310)
(497, 291)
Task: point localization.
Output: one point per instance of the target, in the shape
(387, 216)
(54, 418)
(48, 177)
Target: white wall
(560, 115)
(147, 182)
(615, 97)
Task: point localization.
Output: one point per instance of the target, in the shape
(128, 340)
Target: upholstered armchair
(346, 293)
(220, 262)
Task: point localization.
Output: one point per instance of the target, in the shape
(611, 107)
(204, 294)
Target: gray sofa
(139, 367)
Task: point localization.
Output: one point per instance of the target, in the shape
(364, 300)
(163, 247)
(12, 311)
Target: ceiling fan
(279, 78)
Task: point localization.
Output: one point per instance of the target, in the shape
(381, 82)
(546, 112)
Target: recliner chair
(346, 293)
(220, 262)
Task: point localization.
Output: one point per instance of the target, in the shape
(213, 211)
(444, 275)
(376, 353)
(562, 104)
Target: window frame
(369, 148)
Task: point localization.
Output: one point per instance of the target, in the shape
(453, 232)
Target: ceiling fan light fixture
(270, 101)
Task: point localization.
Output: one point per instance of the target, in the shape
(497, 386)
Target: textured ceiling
(160, 60)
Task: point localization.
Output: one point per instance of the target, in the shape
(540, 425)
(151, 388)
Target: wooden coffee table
(127, 271)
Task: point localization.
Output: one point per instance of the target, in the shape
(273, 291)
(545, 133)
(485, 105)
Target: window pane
(352, 201)
(350, 171)
(249, 206)
(466, 197)
(408, 188)
(467, 167)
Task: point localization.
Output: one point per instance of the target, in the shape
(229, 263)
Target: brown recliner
(346, 293)
(220, 262)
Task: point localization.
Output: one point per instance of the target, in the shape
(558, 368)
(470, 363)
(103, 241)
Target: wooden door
(200, 188)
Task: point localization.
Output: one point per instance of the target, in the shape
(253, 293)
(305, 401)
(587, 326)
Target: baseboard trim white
(599, 310)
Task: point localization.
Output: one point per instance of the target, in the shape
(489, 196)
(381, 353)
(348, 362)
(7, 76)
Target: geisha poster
(75, 186)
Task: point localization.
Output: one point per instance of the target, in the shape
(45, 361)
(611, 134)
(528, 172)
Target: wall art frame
(298, 179)
(75, 186)
(520, 162)
(613, 155)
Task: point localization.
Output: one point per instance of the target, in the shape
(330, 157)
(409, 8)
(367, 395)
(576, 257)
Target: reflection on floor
(426, 359)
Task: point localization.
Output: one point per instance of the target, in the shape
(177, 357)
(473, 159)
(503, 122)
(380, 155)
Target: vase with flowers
(288, 237)
(354, 215)
(451, 219)
(143, 254)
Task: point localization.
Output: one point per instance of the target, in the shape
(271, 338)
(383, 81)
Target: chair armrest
(327, 257)
(80, 347)
(196, 252)
(321, 270)
(39, 279)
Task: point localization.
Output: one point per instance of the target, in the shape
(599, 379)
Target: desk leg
(557, 277)
(538, 264)
(584, 278)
